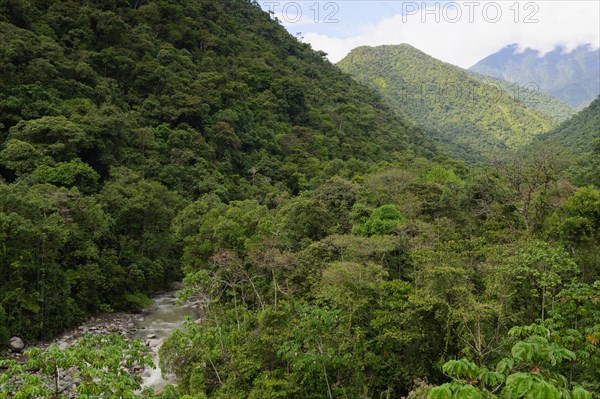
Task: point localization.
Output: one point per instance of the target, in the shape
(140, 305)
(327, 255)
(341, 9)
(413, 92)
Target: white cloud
(463, 43)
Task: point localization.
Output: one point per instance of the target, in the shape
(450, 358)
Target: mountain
(466, 116)
(531, 97)
(572, 77)
(113, 116)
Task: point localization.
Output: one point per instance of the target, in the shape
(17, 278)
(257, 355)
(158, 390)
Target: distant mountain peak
(570, 75)
(401, 46)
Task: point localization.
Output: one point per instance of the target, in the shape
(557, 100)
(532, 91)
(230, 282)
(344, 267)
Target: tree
(575, 324)
(21, 157)
(52, 241)
(304, 219)
(381, 221)
(322, 354)
(527, 179)
(575, 225)
(68, 174)
(143, 211)
(55, 136)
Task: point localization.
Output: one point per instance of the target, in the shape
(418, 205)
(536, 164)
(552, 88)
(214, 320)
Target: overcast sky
(459, 32)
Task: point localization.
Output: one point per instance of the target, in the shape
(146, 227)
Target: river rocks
(154, 343)
(137, 369)
(150, 336)
(16, 344)
(109, 323)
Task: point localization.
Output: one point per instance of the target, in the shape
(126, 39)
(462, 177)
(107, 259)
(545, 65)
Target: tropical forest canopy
(338, 249)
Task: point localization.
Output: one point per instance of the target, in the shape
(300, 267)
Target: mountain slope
(581, 134)
(571, 77)
(467, 117)
(226, 72)
(532, 97)
(581, 130)
(328, 256)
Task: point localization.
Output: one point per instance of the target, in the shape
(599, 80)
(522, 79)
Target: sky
(458, 32)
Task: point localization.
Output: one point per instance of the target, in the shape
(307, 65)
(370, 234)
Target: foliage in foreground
(96, 366)
(530, 372)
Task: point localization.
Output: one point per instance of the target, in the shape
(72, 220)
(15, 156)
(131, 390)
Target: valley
(392, 226)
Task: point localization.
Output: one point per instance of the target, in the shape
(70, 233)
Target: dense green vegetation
(114, 116)
(580, 131)
(422, 264)
(96, 365)
(569, 76)
(581, 134)
(336, 254)
(531, 95)
(468, 118)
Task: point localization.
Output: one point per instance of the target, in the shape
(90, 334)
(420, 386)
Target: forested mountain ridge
(114, 115)
(571, 76)
(468, 118)
(335, 255)
(531, 96)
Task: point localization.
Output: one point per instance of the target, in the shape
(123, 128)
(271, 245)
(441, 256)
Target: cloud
(466, 32)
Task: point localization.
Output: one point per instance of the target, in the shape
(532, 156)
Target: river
(157, 323)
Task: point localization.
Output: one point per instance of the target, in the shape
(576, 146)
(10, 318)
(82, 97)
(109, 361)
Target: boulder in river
(16, 344)
(154, 343)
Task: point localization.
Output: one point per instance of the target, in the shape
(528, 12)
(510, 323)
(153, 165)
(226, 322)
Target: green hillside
(532, 97)
(581, 130)
(581, 134)
(468, 118)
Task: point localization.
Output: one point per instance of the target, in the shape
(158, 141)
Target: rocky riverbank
(132, 325)
(108, 323)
